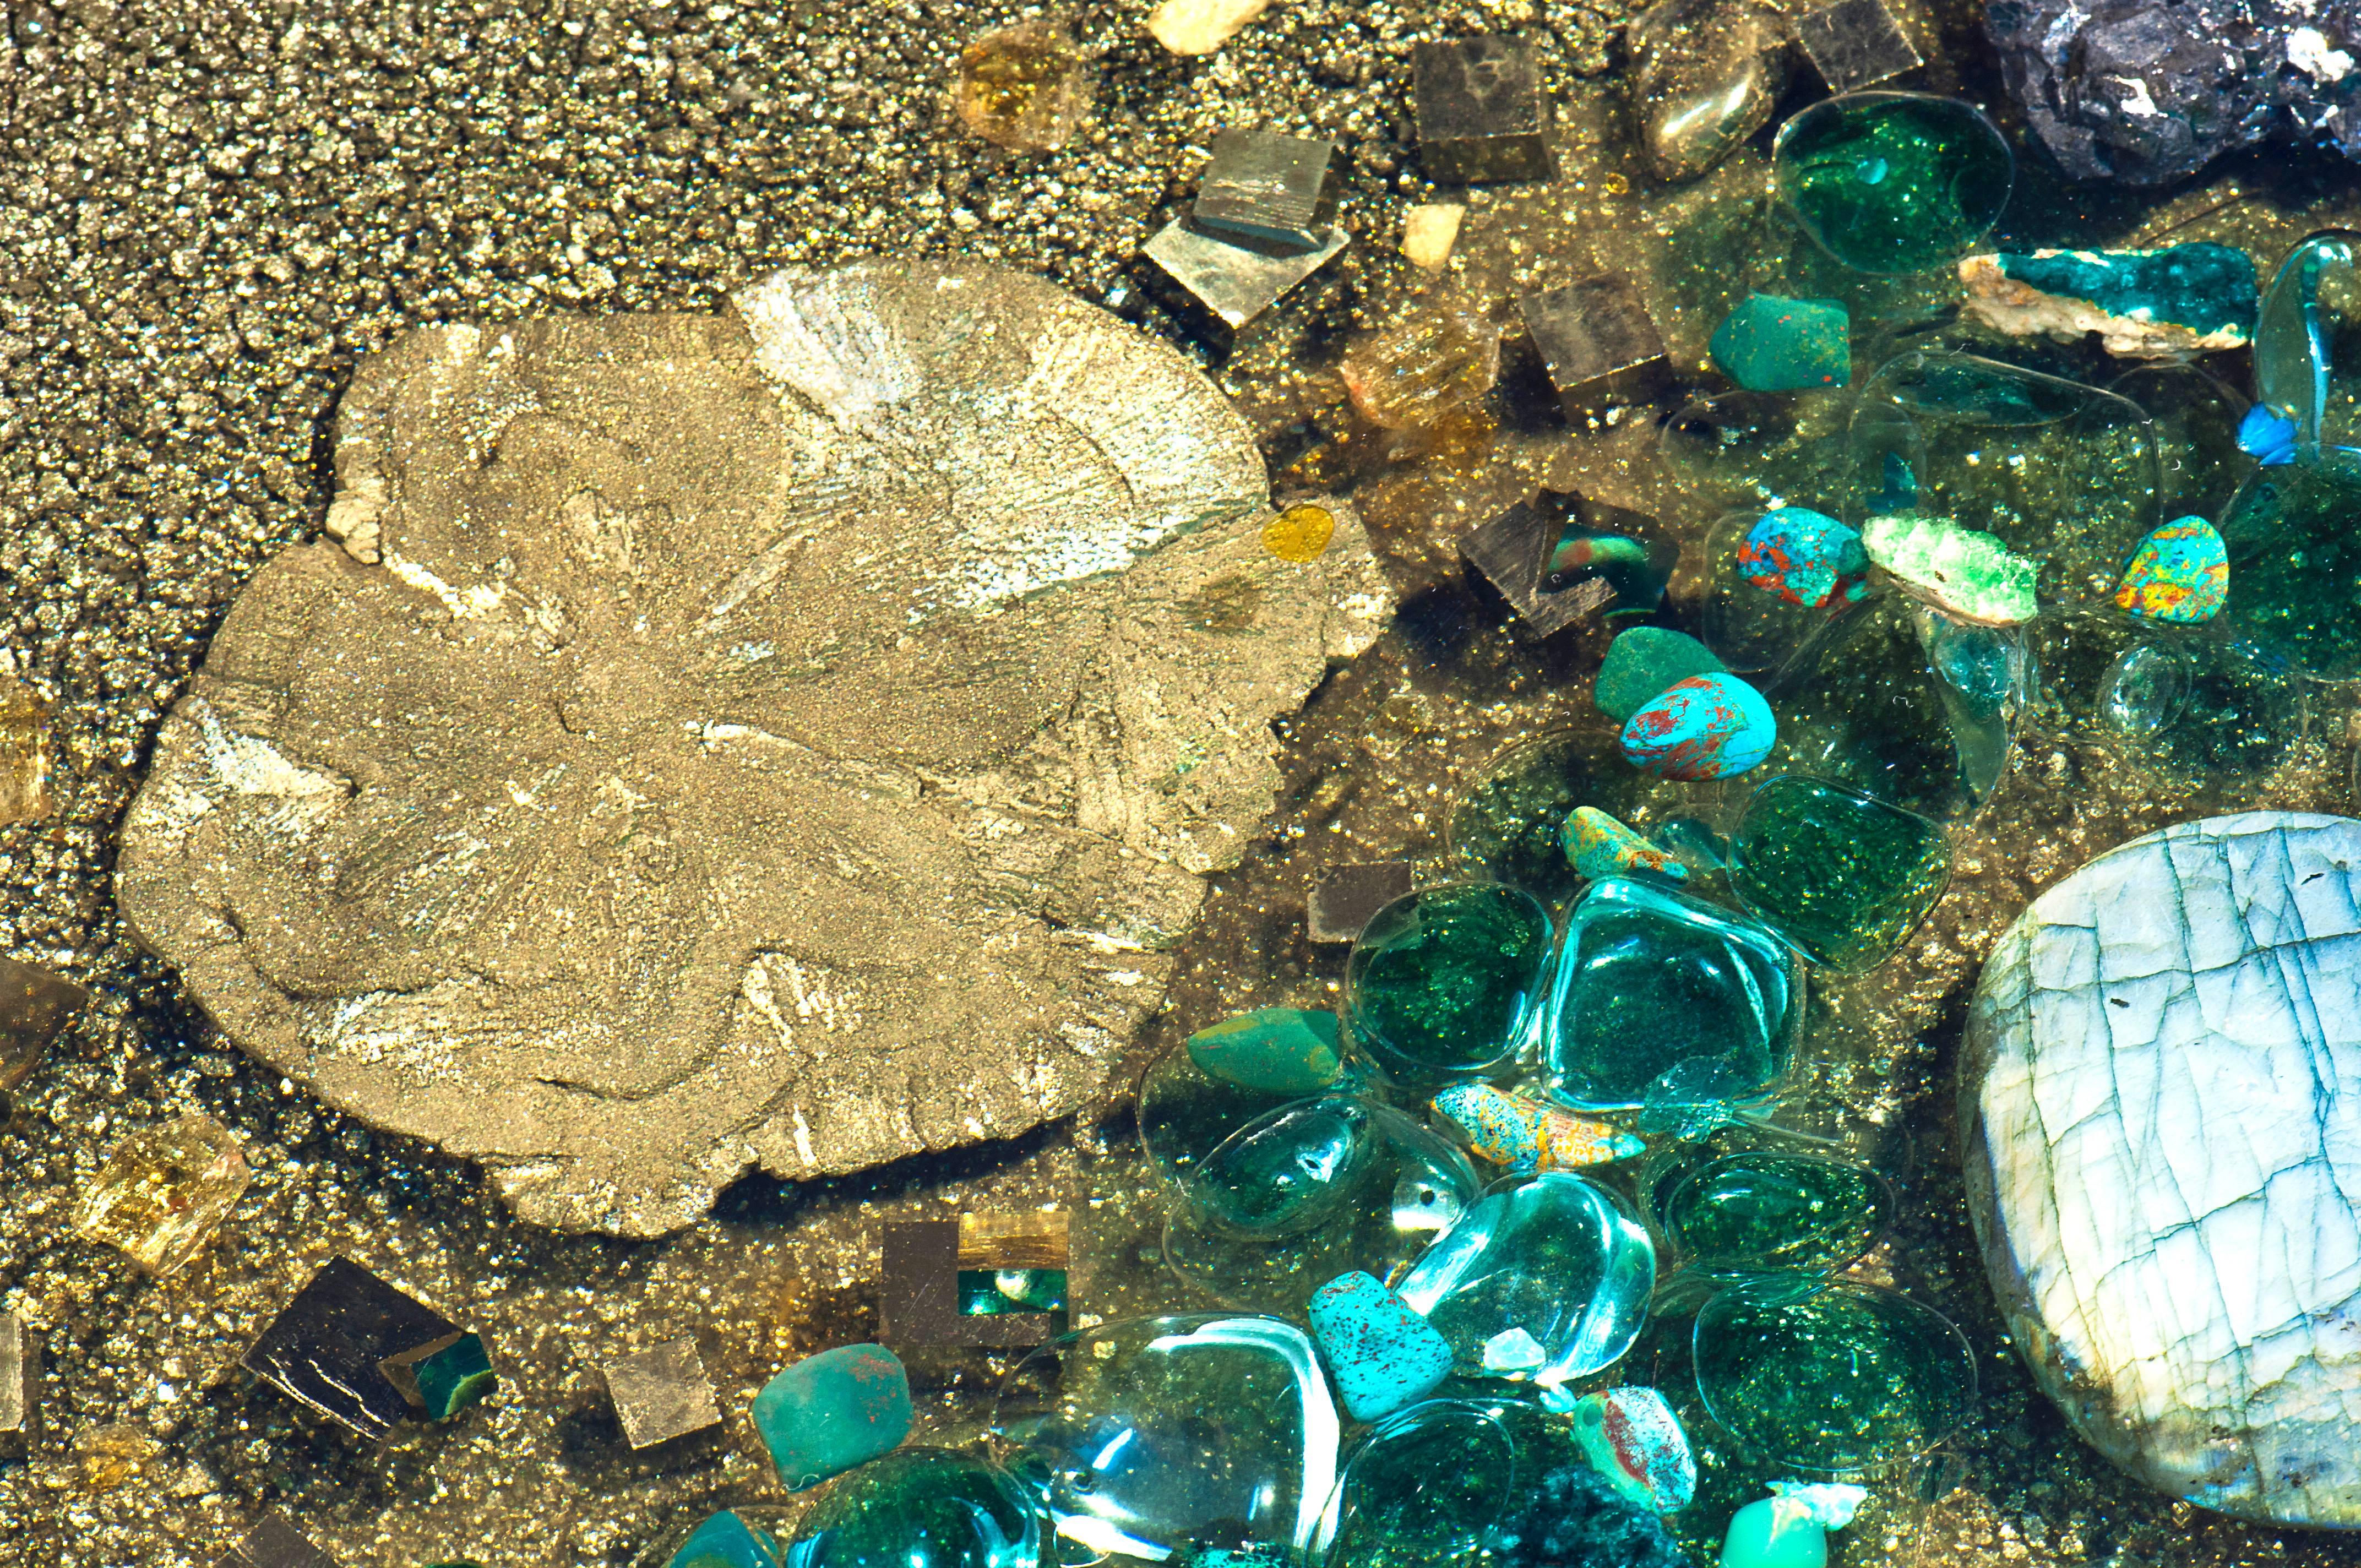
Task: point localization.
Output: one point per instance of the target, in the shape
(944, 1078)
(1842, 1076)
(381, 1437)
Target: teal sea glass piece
(1764, 1211)
(1770, 344)
(997, 1292)
(2307, 342)
(1444, 983)
(923, 1508)
(728, 1539)
(453, 1377)
(1380, 1354)
(1553, 1254)
(1666, 1003)
(1893, 182)
(2293, 533)
(1830, 1378)
(1273, 1050)
(1844, 876)
(1294, 1169)
(1644, 660)
(832, 1412)
(1185, 1114)
(1152, 1436)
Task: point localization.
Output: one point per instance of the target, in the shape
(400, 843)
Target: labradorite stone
(1443, 982)
(1763, 1210)
(1844, 876)
(2159, 1091)
(923, 1508)
(1893, 181)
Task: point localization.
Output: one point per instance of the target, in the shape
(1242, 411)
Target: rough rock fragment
(787, 737)
(1200, 26)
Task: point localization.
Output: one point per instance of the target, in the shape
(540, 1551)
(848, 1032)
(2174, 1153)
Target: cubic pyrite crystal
(1481, 113)
(661, 1393)
(20, 1385)
(1265, 186)
(1855, 44)
(1597, 343)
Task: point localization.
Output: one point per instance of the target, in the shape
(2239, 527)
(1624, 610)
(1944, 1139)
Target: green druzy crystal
(1642, 662)
(1443, 982)
(1958, 570)
(831, 1411)
(1893, 181)
(2206, 287)
(1842, 875)
(1770, 344)
(1767, 1211)
(1274, 1050)
(1830, 1377)
(923, 1508)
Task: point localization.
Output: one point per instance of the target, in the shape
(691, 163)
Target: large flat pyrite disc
(785, 737)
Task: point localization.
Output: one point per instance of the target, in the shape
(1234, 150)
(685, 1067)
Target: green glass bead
(997, 1292)
(1830, 1377)
(1770, 344)
(923, 1508)
(1274, 1050)
(1664, 1001)
(1769, 1210)
(1843, 876)
(454, 1377)
(1644, 662)
(1444, 983)
(831, 1411)
(1893, 182)
(2295, 561)
(1291, 1169)
(1762, 1536)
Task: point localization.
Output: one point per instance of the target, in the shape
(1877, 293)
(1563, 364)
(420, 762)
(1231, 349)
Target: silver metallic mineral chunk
(789, 737)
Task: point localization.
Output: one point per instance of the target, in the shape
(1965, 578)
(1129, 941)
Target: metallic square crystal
(35, 1006)
(1343, 897)
(20, 1373)
(1265, 186)
(1481, 115)
(275, 1543)
(661, 1393)
(1854, 43)
(327, 1350)
(1230, 277)
(1597, 343)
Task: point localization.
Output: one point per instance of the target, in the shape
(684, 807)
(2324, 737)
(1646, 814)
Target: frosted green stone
(1644, 662)
(1958, 570)
(1273, 1050)
(1761, 1535)
(832, 1412)
(1770, 344)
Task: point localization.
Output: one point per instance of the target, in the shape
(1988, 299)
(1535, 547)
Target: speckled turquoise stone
(1806, 557)
(1644, 660)
(831, 1411)
(726, 1540)
(1380, 1354)
(1707, 727)
(1770, 344)
(1273, 1050)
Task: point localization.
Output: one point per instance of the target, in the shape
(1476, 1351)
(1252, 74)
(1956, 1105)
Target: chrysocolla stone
(2181, 300)
(1644, 660)
(1525, 1135)
(2295, 562)
(1380, 1354)
(1893, 181)
(1631, 1437)
(1553, 1254)
(1705, 74)
(1770, 344)
(923, 1508)
(1706, 727)
(1155, 1434)
(1844, 876)
(1790, 1527)
(2179, 573)
(1599, 846)
(1444, 982)
(1666, 1003)
(1768, 1211)
(1805, 557)
(1756, 628)
(728, 1541)
(1273, 1050)
(1830, 1378)
(831, 1411)
(2307, 342)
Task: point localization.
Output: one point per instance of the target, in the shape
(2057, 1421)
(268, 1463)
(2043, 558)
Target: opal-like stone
(2308, 312)
(1829, 1376)
(1003, 1292)
(1763, 1209)
(1512, 1352)
(1526, 1135)
(831, 1411)
(1381, 1355)
(1154, 1434)
(1707, 727)
(1599, 846)
(1631, 1437)
(1844, 876)
(1806, 557)
(2158, 1092)
(2180, 573)
(1644, 660)
(2145, 305)
(1663, 1002)
(727, 1541)
(1273, 1050)
(1893, 182)
(1443, 982)
(1553, 1254)
(2267, 435)
(923, 1508)
(1771, 343)
(1959, 571)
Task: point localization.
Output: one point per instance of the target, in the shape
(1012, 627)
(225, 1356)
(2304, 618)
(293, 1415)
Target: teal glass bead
(1842, 875)
(1292, 1169)
(1380, 1354)
(832, 1412)
(2307, 342)
(1427, 1486)
(1553, 1254)
(2295, 561)
(1763, 1210)
(1444, 983)
(1771, 344)
(453, 1377)
(1185, 1112)
(1273, 1050)
(1155, 1436)
(1663, 1002)
(923, 1508)
(728, 1539)
(1830, 1378)
(1643, 662)
(1893, 182)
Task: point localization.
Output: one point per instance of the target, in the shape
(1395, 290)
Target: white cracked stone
(2162, 1098)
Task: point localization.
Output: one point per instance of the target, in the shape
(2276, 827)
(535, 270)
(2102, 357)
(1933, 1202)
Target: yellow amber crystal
(1412, 376)
(163, 1189)
(1025, 88)
(112, 1454)
(24, 755)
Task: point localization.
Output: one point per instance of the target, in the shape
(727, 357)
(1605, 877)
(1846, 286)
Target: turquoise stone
(1554, 1255)
(1770, 344)
(1893, 181)
(1631, 1437)
(1381, 1355)
(997, 1292)
(2179, 573)
(2208, 288)
(453, 1377)
(1830, 1377)
(1644, 660)
(1152, 1436)
(1706, 727)
(923, 1508)
(1664, 1001)
(1763, 1209)
(2307, 342)
(1806, 557)
(831, 1411)
(1842, 875)
(1445, 982)
(727, 1541)
(2295, 562)
(1273, 1050)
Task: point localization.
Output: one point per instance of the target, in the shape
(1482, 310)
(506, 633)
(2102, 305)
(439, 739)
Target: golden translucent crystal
(163, 1189)
(24, 755)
